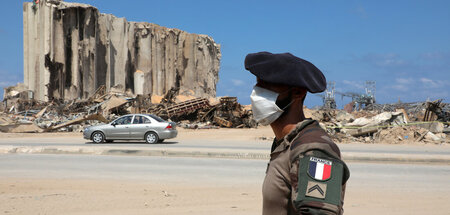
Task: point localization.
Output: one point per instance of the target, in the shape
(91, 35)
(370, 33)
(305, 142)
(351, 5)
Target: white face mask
(265, 111)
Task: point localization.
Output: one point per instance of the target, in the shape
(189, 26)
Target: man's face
(286, 93)
(278, 88)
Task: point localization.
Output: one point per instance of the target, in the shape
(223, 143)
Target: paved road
(204, 169)
(373, 188)
(185, 170)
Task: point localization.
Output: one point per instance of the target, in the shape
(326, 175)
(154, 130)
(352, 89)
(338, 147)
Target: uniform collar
(299, 127)
(282, 144)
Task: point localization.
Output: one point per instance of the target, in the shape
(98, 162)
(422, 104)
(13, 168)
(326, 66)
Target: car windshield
(157, 118)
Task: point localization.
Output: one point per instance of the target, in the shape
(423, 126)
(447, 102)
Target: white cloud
(237, 82)
(401, 87)
(432, 56)
(384, 60)
(426, 81)
(402, 84)
(433, 83)
(420, 84)
(353, 84)
(404, 80)
(415, 89)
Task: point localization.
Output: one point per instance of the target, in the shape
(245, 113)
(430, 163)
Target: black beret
(286, 69)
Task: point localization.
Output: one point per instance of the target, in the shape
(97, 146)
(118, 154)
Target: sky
(402, 45)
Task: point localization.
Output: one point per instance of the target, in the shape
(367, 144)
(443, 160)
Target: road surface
(87, 184)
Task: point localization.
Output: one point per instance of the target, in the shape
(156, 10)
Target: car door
(121, 128)
(158, 124)
(139, 127)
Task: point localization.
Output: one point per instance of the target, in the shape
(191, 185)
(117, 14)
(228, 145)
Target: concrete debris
(79, 120)
(229, 109)
(41, 112)
(432, 137)
(343, 116)
(401, 125)
(225, 113)
(113, 104)
(18, 91)
(361, 131)
(21, 128)
(5, 120)
(419, 111)
(392, 118)
(395, 127)
(198, 126)
(72, 115)
(435, 127)
(446, 130)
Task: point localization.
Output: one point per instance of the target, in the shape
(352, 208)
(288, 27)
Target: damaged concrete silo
(71, 49)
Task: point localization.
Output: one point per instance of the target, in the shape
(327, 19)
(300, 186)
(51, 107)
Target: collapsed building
(71, 49)
(83, 67)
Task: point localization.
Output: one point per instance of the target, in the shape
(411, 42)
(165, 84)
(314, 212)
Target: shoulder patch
(319, 169)
(319, 181)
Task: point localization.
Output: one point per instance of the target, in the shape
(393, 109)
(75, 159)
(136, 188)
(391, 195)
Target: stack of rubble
(392, 127)
(200, 113)
(416, 111)
(418, 122)
(28, 115)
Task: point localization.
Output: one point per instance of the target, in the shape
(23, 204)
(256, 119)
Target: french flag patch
(319, 169)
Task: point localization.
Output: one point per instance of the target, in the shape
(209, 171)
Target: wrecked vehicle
(146, 127)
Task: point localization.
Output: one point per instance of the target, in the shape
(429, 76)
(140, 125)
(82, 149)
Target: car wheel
(151, 137)
(98, 137)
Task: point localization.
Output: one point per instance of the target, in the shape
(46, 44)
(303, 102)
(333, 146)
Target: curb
(133, 152)
(396, 158)
(347, 156)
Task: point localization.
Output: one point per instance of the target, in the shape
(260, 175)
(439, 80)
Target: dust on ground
(70, 196)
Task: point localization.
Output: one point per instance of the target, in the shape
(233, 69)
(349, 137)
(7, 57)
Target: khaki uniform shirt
(280, 185)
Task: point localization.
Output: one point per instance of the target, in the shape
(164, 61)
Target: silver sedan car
(146, 127)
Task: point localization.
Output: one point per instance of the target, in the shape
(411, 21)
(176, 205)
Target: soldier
(306, 174)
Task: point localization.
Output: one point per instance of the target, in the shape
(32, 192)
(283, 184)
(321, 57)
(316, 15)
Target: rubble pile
(201, 113)
(434, 110)
(20, 115)
(426, 122)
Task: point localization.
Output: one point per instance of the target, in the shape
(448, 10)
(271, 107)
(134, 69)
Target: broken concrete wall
(71, 49)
